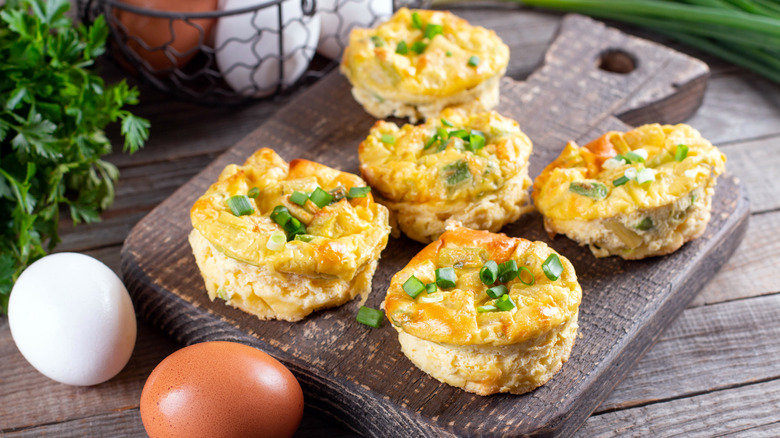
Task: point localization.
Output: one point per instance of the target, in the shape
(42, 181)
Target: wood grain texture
(625, 308)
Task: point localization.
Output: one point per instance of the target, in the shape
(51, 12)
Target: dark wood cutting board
(592, 78)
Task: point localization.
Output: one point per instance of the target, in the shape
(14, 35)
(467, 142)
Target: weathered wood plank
(117, 424)
(28, 398)
(707, 349)
(754, 268)
(752, 162)
(750, 410)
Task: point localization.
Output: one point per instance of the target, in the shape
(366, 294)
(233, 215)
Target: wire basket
(247, 49)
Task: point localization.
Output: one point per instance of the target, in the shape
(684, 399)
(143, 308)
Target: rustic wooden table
(714, 371)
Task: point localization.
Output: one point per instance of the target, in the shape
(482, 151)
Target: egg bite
(633, 194)
(466, 168)
(420, 62)
(281, 240)
(486, 312)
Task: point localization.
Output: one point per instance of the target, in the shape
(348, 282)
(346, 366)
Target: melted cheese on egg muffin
(256, 255)
(421, 57)
(634, 194)
(459, 167)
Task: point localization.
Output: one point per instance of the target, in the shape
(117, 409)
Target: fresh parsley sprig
(52, 115)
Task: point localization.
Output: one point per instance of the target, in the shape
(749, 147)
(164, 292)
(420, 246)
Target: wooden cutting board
(592, 78)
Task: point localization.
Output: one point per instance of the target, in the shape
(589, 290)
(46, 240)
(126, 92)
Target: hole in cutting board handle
(617, 61)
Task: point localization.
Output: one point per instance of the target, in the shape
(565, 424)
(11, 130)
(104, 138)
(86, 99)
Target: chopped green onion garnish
(320, 197)
(281, 215)
(473, 61)
(487, 308)
(254, 192)
(418, 47)
(620, 181)
(505, 303)
(377, 41)
(430, 288)
(240, 205)
(552, 267)
(299, 198)
(431, 30)
(681, 153)
(645, 175)
(446, 278)
(388, 139)
(448, 53)
(338, 193)
(276, 241)
(645, 225)
(431, 141)
(304, 237)
(370, 317)
(497, 291)
(489, 272)
(591, 189)
(413, 287)
(456, 172)
(402, 48)
(293, 227)
(447, 123)
(435, 298)
(507, 271)
(476, 140)
(460, 133)
(358, 192)
(520, 271)
(416, 21)
(634, 157)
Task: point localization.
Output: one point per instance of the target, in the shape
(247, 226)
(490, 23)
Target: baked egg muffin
(486, 312)
(469, 168)
(420, 61)
(636, 194)
(280, 241)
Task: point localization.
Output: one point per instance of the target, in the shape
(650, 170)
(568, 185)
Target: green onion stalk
(743, 32)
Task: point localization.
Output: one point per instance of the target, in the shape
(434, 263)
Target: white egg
(339, 17)
(247, 46)
(72, 319)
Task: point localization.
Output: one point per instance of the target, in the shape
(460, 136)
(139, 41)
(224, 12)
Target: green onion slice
(645, 175)
(320, 197)
(418, 47)
(620, 181)
(476, 140)
(431, 141)
(434, 298)
(497, 291)
(281, 215)
(591, 189)
(430, 288)
(645, 225)
(489, 272)
(473, 61)
(681, 153)
(431, 30)
(446, 278)
(520, 271)
(447, 123)
(507, 271)
(240, 205)
(460, 133)
(456, 172)
(448, 53)
(413, 286)
(299, 198)
(634, 157)
(416, 21)
(402, 48)
(388, 139)
(552, 267)
(254, 192)
(370, 317)
(338, 193)
(379, 42)
(276, 241)
(487, 308)
(358, 192)
(505, 303)
(304, 237)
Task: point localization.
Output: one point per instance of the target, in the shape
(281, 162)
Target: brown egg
(221, 389)
(183, 42)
